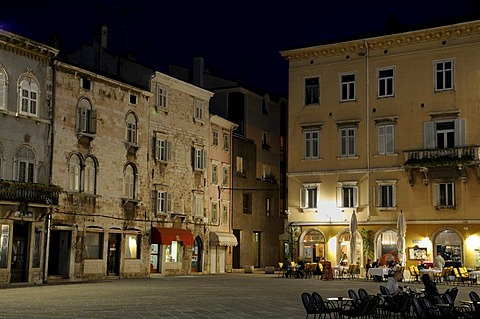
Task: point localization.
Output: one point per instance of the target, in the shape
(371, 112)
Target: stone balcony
(465, 155)
(33, 193)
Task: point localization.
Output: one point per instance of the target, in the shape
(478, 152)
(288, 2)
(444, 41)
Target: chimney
(198, 68)
(104, 36)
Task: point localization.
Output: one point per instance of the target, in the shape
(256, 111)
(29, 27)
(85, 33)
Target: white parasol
(401, 233)
(353, 229)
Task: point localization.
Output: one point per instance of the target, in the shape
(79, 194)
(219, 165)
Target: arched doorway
(386, 246)
(449, 243)
(197, 255)
(312, 245)
(343, 247)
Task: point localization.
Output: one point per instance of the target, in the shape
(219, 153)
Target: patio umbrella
(353, 229)
(401, 233)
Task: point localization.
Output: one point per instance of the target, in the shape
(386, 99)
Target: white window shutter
(169, 202)
(394, 195)
(303, 197)
(169, 150)
(460, 132)
(453, 194)
(93, 122)
(435, 194)
(429, 135)
(377, 190)
(389, 139)
(381, 139)
(339, 197)
(355, 196)
(318, 197)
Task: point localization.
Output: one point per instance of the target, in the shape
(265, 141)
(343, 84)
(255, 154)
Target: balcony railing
(442, 157)
(29, 192)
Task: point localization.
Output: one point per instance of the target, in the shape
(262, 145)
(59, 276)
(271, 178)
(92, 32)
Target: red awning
(165, 236)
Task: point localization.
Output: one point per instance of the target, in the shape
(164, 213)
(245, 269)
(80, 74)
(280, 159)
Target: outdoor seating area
(411, 303)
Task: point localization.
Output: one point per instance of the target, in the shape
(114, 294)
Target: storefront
(220, 251)
(169, 254)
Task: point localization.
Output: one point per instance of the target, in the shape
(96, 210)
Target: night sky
(238, 39)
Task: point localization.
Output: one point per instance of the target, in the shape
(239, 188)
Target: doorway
(197, 252)
(236, 250)
(113, 260)
(19, 265)
(59, 253)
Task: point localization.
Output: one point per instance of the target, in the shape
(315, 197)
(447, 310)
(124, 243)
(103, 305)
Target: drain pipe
(367, 110)
(48, 223)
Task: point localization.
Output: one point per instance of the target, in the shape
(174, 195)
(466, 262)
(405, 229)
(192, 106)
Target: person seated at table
(300, 273)
(431, 290)
(318, 270)
(287, 268)
(392, 284)
(376, 264)
(368, 265)
(422, 265)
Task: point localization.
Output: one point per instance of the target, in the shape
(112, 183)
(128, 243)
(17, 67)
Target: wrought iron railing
(442, 157)
(29, 192)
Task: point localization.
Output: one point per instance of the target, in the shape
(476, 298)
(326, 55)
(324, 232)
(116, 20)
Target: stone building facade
(26, 196)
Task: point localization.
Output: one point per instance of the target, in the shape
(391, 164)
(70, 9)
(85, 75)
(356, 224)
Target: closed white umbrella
(401, 233)
(353, 229)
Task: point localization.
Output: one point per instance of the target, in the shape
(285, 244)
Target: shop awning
(165, 236)
(223, 239)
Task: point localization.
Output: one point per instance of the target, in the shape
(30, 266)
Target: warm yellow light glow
(132, 245)
(332, 248)
(473, 241)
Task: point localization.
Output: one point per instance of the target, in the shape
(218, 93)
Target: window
(347, 87)
(173, 252)
(224, 213)
(312, 91)
(443, 75)
(90, 176)
(385, 82)
(199, 157)
(239, 164)
(198, 205)
(347, 196)
(312, 144)
(25, 164)
(309, 196)
(226, 173)
(247, 203)
(93, 245)
(28, 97)
(132, 246)
(385, 139)
(266, 171)
(87, 117)
(3, 89)
(131, 123)
(85, 84)
(198, 107)
(226, 139)
(129, 182)
(163, 202)
(214, 174)
(163, 150)
(74, 173)
(161, 98)
(133, 99)
(266, 140)
(348, 143)
(444, 134)
(4, 249)
(386, 194)
(214, 211)
(444, 195)
(215, 137)
(268, 206)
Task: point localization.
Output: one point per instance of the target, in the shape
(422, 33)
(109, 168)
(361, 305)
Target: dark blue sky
(238, 39)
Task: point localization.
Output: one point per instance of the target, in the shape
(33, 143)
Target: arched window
(87, 117)
(131, 123)
(74, 173)
(313, 245)
(90, 176)
(3, 89)
(387, 245)
(129, 180)
(25, 164)
(449, 244)
(28, 97)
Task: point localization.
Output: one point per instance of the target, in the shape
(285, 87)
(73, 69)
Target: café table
(378, 272)
(338, 272)
(473, 276)
(339, 304)
(431, 272)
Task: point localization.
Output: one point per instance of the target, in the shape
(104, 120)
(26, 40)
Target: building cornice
(345, 171)
(26, 47)
(182, 86)
(361, 46)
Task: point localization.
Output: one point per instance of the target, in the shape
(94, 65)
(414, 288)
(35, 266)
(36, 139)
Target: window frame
(164, 202)
(226, 141)
(3, 89)
(28, 96)
(161, 98)
(198, 109)
(224, 212)
(199, 158)
(131, 126)
(391, 200)
(448, 198)
(311, 92)
(162, 149)
(214, 210)
(309, 193)
(215, 137)
(75, 174)
(89, 178)
(225, 175)
(444, 76)
(349, 87)
(138, 246)
(29, 161)
(349, 189)
(345, 141)
(383, 82)
(100, 247)
(198, 205)
(383, 139)
(311, 145)
(247, 201)
(130, 182)
(215, 173)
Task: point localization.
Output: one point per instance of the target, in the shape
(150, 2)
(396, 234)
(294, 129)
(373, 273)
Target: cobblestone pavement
(235, 295)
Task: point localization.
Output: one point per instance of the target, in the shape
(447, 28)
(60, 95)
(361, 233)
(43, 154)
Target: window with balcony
(311, 144)
(386, 194)
(442, 134)
(309, 196)
(215, 137)
(25, 162)
(90, 175)
(131, 128)
(385, 139)
(386, 84)
(74, 175)
(214, 211)
(444, 195)
(347, 87)
(444, 75)
(86, 117)
(312, 91)
(348, 141)
(3, 89)
(28, 96)
(347, 195)
(129, 178)
(161, 97)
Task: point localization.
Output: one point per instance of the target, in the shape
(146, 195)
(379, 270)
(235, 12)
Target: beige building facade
(380, 127)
